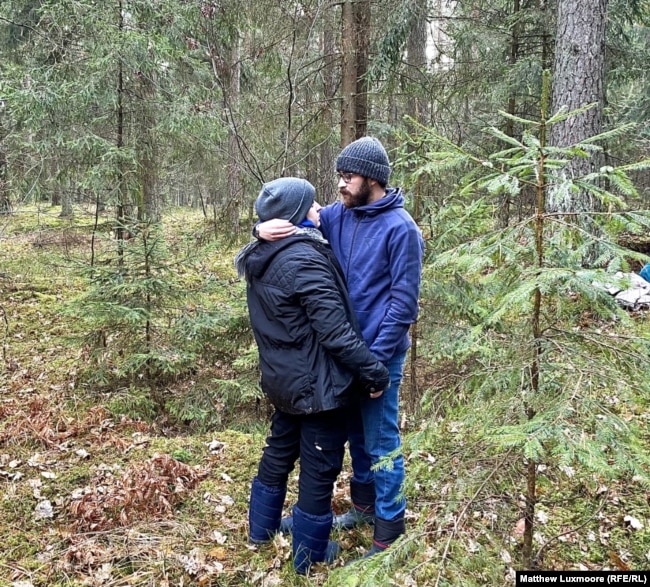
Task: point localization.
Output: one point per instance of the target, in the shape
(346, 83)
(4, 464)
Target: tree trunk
(355, 28)
(5, 203)
(66, 191)
(348, 74)
(235, 192)
(327, 186)
(122, 212)
(362, 36)
(504, 207)
(149, 204)
(225, 59)
(416, 60)
(578, 80)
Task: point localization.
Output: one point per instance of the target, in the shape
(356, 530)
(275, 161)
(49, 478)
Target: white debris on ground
(633, 292)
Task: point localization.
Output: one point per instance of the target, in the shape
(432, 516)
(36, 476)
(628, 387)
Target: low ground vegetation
(123, 480)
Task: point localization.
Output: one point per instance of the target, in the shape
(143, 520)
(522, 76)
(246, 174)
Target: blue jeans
(318, 440)
(374, 433)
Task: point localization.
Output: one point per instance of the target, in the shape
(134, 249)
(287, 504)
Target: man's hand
(275, 229)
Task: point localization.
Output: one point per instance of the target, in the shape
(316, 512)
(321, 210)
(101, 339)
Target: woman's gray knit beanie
(288, 198)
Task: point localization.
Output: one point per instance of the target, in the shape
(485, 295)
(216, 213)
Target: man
(311, 353)
(380, 249)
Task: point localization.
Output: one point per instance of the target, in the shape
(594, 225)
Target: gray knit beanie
(367, 157)
(288, 198)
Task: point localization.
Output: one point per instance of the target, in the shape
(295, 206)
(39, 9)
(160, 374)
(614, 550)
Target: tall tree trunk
(5, 203)
(235, 192)
(361, 33)
(578, 80)
(348, 73)
(56, 188)
(504, 208)
(66, 192)
(225, 59)
(416, 60)
(327, 192)
(355, 29)
(149, 204)
(122, 208)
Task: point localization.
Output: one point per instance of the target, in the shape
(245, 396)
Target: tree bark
(417, 109)
(235, 190)
(348, 74)
(225, 59)
(362, 36)
(355, 45)
(327, 186)
(578, 80)
(5, 203)
(416, 59)
(504, 207)
(66, 191)
(149, 205)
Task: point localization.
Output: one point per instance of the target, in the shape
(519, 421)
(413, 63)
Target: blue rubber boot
(286, 525)
(353, 518)
(311, 543)
(363, 507)
(385, 533)
(362, 510)
(265, 511)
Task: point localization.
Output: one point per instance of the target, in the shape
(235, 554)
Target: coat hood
(253, 259)
(394, 198)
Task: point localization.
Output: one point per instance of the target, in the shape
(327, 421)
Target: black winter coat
(309, 344)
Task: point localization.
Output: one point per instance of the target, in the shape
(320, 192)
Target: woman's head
(289, 198)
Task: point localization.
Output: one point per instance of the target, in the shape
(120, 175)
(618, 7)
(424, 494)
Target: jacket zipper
(354, 235)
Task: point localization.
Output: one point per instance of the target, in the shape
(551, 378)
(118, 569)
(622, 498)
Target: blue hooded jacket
(380, 249)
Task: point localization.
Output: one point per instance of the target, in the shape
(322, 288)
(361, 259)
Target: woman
(312, 359)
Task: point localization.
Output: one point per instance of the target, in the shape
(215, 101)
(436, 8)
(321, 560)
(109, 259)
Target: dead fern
(146, 490)
(45, 421)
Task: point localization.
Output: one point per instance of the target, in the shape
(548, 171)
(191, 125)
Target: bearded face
(355, 193)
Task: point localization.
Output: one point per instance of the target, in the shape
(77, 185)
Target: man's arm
(406, 250)
(324, 307)
(274, 229)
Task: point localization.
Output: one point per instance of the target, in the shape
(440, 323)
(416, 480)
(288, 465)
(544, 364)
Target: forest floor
(90, 496)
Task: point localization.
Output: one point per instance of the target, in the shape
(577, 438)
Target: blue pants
(319, 441)
(373, 434)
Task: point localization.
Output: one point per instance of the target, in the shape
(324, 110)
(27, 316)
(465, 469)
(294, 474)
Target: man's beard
(361, 198)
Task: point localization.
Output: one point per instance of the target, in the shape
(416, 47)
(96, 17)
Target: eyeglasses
(345, 176)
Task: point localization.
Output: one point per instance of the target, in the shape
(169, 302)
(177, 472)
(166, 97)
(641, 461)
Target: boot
(265, 511)
(363, 507)
(286, 525)
(361, 512)
(311, 542)
(386, 532)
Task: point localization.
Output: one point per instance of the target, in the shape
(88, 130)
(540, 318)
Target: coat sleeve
(324, 305)
(405, 249)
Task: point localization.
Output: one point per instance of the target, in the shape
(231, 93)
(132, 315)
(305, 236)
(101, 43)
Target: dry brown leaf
(145, 490)
(618, 562)
(219, 552)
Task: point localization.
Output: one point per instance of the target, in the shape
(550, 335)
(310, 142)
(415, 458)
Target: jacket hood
(253, 259)
(394, 198)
